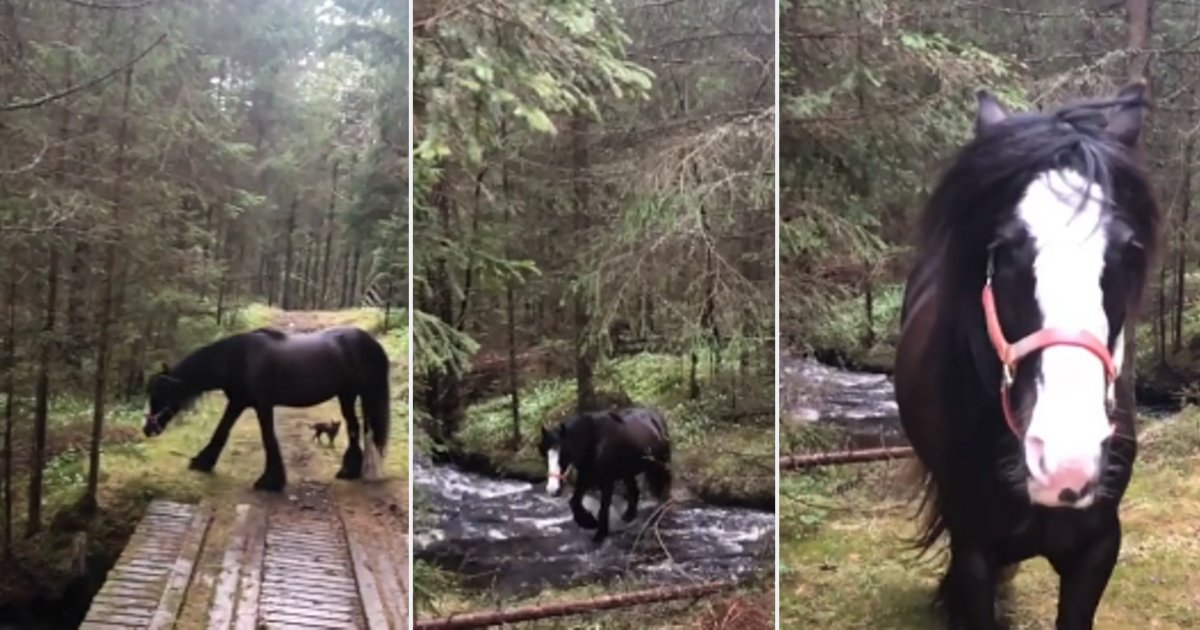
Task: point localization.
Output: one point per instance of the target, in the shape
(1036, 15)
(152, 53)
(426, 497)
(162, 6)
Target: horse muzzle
(151, 427)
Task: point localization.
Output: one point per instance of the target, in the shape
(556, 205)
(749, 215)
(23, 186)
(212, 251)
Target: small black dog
(326, 428)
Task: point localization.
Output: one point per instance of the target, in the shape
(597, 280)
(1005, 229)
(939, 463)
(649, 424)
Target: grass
(846, 562)
(717, 459)
(749, 607)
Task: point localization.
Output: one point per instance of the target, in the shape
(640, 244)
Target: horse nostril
(1069, 496)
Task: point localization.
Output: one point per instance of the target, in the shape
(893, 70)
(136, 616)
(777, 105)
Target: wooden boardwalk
(278, 569)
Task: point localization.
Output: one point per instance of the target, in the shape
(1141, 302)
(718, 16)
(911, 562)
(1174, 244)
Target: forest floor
(135, 471)
(847, 561)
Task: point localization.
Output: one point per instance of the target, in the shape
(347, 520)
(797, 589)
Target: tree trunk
(585, 386)
(46, 354)
(514, 378)
(446, 385)
(329, 228)
(288, 255)
(352, 295)
(10, 393)
(99, 393)
(1182, 244)
(1138, 17)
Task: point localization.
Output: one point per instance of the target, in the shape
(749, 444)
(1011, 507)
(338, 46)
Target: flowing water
(862, 404)
(512, 538)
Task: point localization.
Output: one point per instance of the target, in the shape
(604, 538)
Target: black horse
(1041, 232)
(604, 448)
(265, 368)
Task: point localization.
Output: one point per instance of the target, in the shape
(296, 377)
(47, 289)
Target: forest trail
(324, 553)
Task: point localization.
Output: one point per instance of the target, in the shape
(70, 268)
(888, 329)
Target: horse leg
(1083, 577)
(273, 478)
(631, 495)
(583, 518)
(206, 459)
(352, 460)
(968, 590)
(606, 494)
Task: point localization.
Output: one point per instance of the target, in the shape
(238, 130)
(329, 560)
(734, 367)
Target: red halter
(1011, 354)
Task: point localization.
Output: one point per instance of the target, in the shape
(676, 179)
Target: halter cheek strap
(1011, 354)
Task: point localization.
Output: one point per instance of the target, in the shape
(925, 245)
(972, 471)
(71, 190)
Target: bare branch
(49, 98)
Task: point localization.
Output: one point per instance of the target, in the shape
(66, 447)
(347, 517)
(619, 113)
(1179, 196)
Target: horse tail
(933, 524)
(377, 405)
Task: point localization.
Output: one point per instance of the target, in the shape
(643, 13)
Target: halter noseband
(1011, 354)
(152, 419)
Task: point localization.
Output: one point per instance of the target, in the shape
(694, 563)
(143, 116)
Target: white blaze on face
(1069, 420)
(554, 478)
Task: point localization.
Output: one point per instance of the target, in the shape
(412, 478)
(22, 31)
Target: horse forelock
(977, 196)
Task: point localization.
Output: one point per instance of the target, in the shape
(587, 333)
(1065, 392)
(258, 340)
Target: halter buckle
(1007, 376)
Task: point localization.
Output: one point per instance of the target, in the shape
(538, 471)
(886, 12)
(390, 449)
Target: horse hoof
(201, 465)
(269, 485)
(345, 473)
(598, 539)
(628, 517)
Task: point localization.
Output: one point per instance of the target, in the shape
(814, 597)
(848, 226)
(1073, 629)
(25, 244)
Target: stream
(513, 539)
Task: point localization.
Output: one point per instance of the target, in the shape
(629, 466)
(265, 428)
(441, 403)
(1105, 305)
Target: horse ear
(1125, 124)
(988, 111)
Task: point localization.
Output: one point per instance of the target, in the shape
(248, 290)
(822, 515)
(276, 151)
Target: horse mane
(198, 367)
(972, 203)
(271, 332)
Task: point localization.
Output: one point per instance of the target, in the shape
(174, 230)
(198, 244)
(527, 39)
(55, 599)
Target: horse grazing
(604, 448)
(266, 368)
(1041, 232)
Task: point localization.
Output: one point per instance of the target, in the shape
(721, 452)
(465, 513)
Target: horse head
(168, 397)
(1048, 223)
(557, 460)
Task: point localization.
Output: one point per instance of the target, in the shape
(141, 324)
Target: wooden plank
(224, 601)
(308, 580)
(181, 572)
(113, 600)
(119, 620)
(368, 589)
(134, 588)
(279, 601)
(251, 572)
(391, 591)
(281, 620)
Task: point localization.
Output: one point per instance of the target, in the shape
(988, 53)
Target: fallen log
(480, 619)
(813, 460)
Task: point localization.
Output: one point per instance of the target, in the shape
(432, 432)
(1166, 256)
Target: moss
(846, 561)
